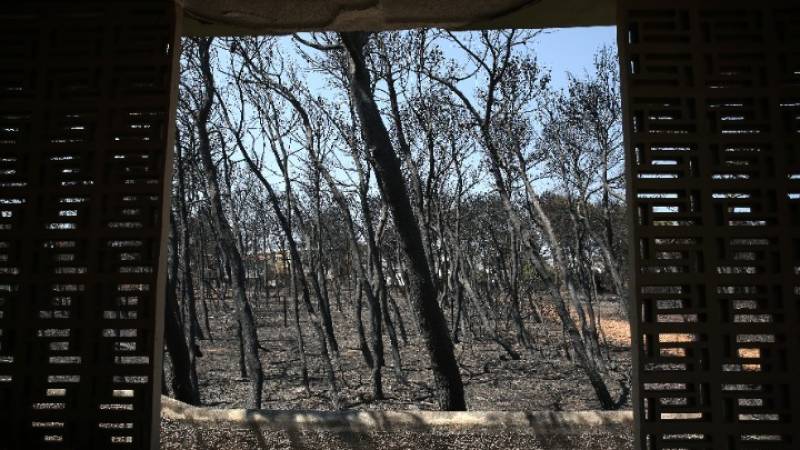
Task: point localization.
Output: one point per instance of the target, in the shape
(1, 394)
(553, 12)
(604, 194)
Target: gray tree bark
(433, 326)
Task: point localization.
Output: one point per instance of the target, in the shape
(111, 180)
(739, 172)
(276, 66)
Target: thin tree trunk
(184, 375)
(188, 279)
(398, 319)
(242, 351)
(227, 239)
(362, 337)
(296, 261)
(484, 317)
(298, 331)
(390, 330)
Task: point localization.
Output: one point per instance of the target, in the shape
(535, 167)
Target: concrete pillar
(712, 117)
(87, 99)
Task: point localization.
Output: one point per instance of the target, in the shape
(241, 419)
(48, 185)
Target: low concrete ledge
(361, 421)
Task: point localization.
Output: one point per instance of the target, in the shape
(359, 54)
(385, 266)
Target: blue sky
(562, 51)
(572, 49)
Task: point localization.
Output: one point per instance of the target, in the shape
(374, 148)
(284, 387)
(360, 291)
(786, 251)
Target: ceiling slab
(247, 17)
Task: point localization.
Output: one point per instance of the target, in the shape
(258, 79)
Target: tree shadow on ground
(349, 433)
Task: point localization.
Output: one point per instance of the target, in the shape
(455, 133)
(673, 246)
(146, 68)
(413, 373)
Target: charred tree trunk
(435, 335)
(184, 376)
(227, 238)
(298, 330)
(296, 267)
(186, 245)
(362, 337)
(398, 319)
(242, 351)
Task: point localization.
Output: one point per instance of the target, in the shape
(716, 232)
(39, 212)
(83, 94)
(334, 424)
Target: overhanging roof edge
(537, 14)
